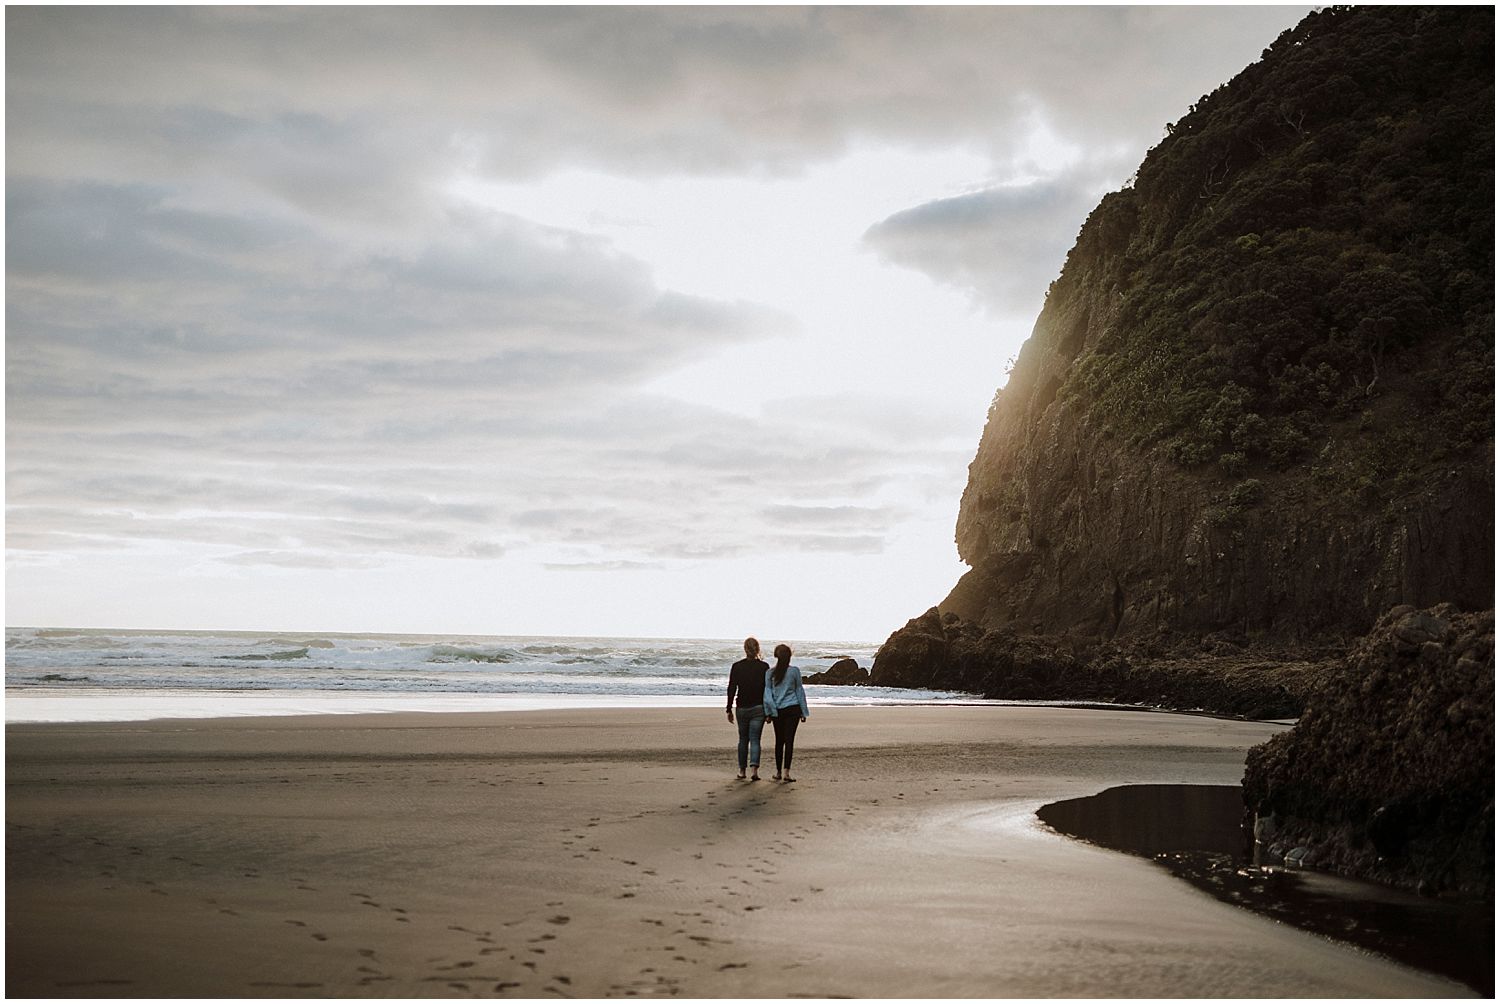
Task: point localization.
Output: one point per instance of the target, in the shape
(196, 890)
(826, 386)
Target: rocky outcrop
(1389, 774)
(844, 673)
(1258, 403)
(1255, 414)
(944, 652)
(1243, 407)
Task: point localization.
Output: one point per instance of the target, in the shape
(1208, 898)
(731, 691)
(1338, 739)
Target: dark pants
(785, 725)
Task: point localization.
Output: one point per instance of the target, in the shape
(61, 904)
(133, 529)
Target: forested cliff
(1258, 402)
(1245, 463)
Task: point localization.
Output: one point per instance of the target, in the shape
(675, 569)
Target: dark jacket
(748, 677)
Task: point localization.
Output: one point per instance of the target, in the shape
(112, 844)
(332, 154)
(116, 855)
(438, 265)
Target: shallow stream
(1195, 831)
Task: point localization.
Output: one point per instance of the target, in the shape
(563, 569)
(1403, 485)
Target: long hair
(783, 658)
(752, 648)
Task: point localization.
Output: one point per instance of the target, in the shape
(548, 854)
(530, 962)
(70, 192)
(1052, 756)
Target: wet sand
(612, 853)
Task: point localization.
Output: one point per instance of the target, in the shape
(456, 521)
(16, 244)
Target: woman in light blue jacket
(786, 706)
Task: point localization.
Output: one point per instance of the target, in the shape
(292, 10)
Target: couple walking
(759, 692)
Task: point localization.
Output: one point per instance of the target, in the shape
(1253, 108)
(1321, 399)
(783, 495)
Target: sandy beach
(599, 853)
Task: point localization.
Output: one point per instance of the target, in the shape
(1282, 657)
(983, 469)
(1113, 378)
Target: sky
(646, 322)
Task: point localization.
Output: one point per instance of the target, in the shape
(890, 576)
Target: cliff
(1257, 411)
(1253, 432)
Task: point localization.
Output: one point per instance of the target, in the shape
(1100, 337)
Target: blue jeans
(751, 721)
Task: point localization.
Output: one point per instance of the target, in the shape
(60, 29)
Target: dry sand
(612, 853)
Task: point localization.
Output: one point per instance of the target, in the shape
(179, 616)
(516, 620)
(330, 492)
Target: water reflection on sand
(1196, 832)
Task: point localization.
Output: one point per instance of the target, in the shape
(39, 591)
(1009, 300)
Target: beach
(611, 852)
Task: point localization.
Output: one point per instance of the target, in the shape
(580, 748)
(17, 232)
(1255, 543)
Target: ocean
(58, 674)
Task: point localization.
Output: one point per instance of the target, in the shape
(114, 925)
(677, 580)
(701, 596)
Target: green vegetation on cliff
(1259, 397)
(1294, 245)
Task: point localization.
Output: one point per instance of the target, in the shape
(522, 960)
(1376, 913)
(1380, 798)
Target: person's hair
(752, 647)
(783, 654)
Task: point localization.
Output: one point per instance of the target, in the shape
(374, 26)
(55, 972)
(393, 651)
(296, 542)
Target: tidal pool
(1196, 832)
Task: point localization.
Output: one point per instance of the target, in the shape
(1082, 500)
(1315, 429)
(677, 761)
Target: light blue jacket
(787, 696)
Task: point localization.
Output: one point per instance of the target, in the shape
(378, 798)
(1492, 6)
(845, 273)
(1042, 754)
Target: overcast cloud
(253, 321)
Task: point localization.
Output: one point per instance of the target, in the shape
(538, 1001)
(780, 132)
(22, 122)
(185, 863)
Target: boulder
(1389, 774)
(844, 673)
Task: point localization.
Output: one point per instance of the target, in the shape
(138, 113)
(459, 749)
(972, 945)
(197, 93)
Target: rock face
(1168, 467)
(1255, 414)
(944, 652)
(844, 673)
(1258, 402)
(1390, 772)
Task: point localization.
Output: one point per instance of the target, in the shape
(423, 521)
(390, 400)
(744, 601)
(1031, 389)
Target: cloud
(603, 566)
(210, 378)
(244, 316)
(1004, 243)
(289, 100)
(826, 516)
(129, 316)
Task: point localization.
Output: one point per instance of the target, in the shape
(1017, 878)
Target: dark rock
(1083, 516)
(1145, 520)
(1417, 629)
(1391, 768)
(843, 673)
(944, 652)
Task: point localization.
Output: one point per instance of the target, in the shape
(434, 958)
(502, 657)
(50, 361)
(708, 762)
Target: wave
(305, 643)
(566, 650)
(453, 653)
(286, 656)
